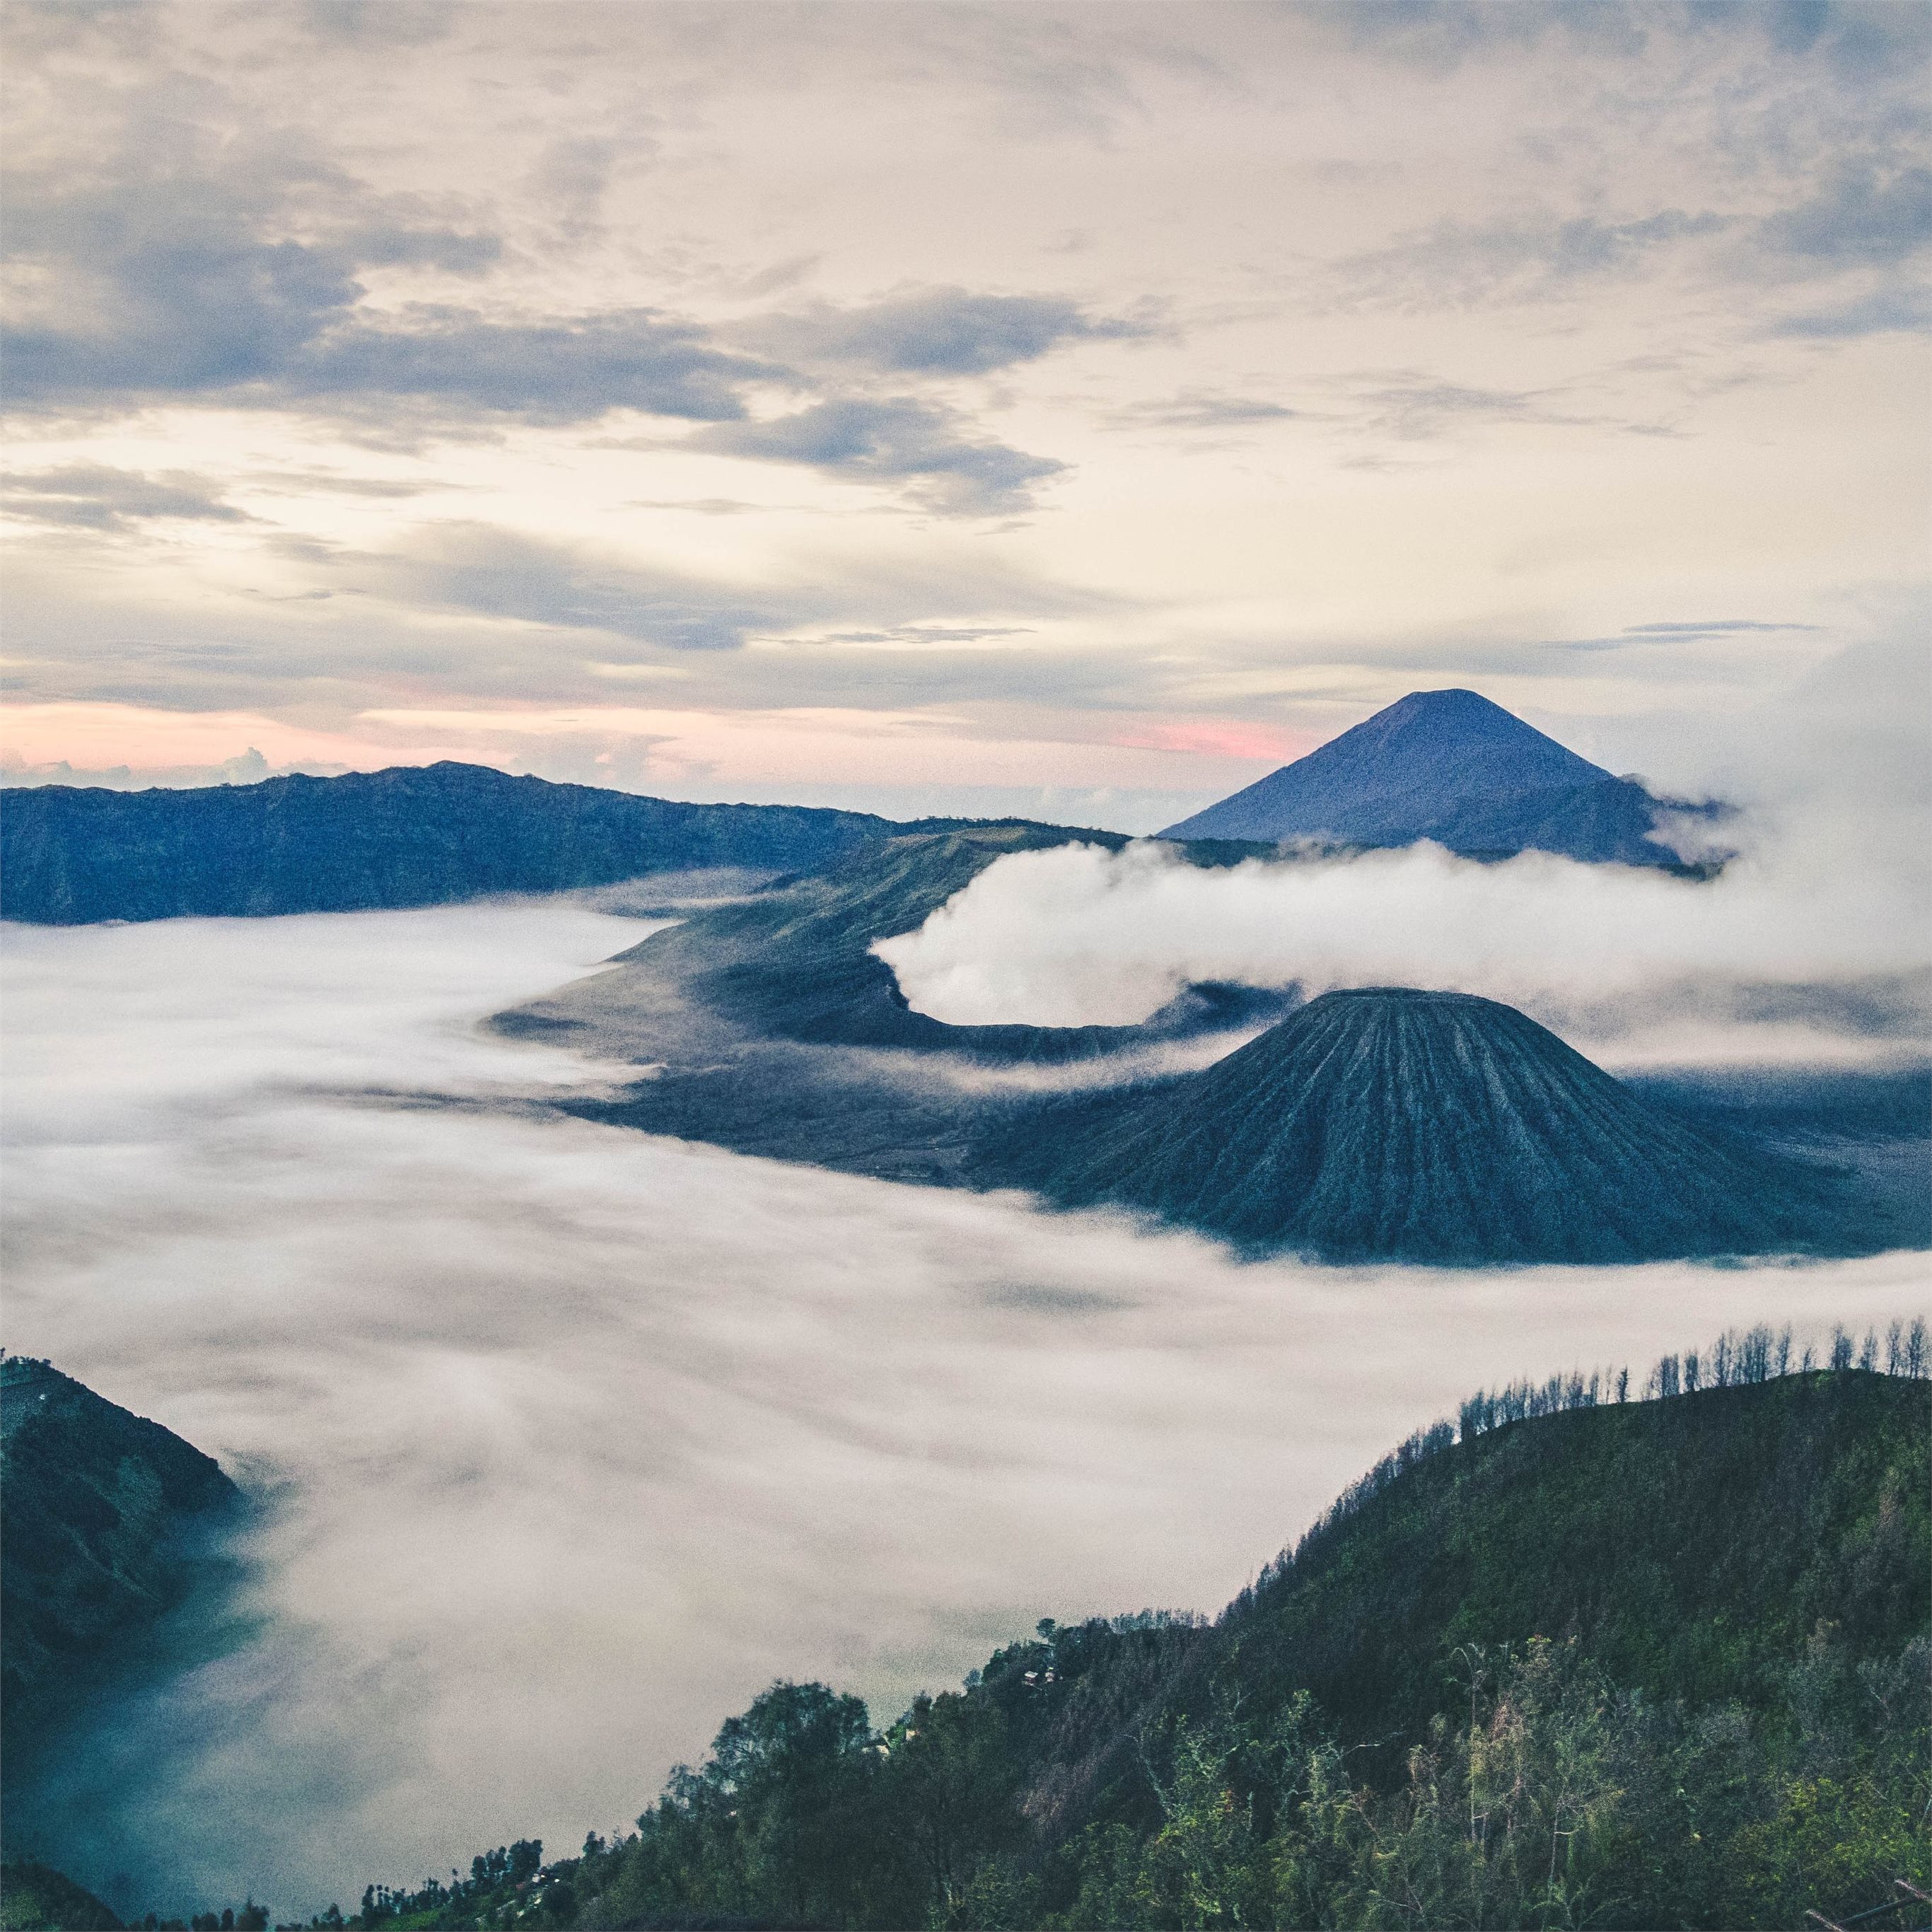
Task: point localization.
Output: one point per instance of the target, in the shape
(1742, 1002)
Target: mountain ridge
(407, 835)
(105, 1514)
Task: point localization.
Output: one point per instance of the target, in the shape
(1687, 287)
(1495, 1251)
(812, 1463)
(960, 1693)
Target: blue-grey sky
(1078, 410)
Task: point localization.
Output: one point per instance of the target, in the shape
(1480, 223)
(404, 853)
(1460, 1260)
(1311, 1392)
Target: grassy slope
(1692, 1546)
(1689, 1543)
(36, 1898)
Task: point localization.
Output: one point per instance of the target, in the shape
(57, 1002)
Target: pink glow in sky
(1193, 381)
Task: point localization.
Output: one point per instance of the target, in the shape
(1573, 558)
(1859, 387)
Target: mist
(567, 1440)
(1811, 945)
(1755, 964)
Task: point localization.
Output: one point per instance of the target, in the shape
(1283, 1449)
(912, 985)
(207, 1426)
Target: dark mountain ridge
(104, 1520)
(407, 836)
(1452, 766)
(1390, 1123)
(770, 1027)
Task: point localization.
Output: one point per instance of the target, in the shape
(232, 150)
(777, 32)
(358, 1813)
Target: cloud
(91, 495)
(1902, 307)
(174, 266)
(1858, 39)
(382, 24)
(1691, 632)
(1536, 255)
(249, 768)
(573, 1439)
(1200, 409)
(1829, 901)
(1418, 409)
(1079, 935)
(498, 574)
(929, 449)
(538, 370)
(1442, 35)
(943, 332)
(1862, 217)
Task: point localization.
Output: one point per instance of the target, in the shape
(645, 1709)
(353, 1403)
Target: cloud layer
(574, 1439)
(1813, 942)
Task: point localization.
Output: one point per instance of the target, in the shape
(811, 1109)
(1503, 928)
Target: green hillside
(111, 1522)
(1615, 1664)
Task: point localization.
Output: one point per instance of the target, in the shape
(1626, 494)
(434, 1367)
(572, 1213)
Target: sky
(1078, 411)
(566, 1441)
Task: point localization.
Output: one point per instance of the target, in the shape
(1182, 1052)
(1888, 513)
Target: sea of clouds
(1813, 945)
(568, 1440)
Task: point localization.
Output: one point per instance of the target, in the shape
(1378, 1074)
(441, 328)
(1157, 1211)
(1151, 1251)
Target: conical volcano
(1449, 766)
(1390, 1124)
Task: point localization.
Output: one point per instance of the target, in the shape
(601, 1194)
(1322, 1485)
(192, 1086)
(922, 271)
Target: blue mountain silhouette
(1449, 766)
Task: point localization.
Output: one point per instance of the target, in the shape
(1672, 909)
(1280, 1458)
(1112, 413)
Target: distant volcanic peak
(1401, 776)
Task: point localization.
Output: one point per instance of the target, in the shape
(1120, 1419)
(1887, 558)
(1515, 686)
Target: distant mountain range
(1446, 765)
(411, 836)
(1451, 766)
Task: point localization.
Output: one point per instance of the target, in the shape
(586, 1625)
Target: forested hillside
(1579, 1658)
(110, 1522)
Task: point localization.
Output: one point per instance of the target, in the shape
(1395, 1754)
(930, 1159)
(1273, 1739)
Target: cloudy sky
(1078, 410)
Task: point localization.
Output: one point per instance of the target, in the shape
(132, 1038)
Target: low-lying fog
(575, 1439)
(1811, 946)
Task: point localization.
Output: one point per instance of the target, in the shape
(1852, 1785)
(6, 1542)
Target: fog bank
(1813, 943)
(1078, 935)
(573, 1439)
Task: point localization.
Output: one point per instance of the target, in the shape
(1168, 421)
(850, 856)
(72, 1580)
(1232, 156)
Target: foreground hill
(1581, 1661)
(1452, 766)
(1387, 1123)
(35, 1897)
(104, 1517)
(411, 836)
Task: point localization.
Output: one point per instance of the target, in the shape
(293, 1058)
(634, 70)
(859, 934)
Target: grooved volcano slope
(1387, 1123)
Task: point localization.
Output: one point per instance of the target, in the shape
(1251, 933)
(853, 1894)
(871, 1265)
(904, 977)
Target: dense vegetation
(1579, 1658)
(408, 836)
(103, 1534)
(34, 1896)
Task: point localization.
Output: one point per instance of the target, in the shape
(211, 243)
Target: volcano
(1452, 766)
(1387, 1124)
